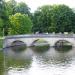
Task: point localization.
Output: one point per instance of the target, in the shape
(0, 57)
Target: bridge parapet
(41, 35)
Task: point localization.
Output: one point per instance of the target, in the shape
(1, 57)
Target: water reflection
(1, 63)
(54, 63)
(15, 61)
(40, 49)
(53, 57)
(30, 62)
(18, 46)
(40, 45)
(63, 46)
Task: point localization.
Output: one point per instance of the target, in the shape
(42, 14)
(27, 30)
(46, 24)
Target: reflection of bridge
(50, 38)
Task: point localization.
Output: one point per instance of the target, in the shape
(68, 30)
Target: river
(29, 62)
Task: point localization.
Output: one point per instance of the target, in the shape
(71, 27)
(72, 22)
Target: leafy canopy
(20, 24)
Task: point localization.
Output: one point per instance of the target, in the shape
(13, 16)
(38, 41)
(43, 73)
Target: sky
(34, 4)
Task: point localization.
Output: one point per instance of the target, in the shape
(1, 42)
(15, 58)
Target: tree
(62, 18)
(55, 18)
(10, 7)
(20, 24)
(1, 27)
(6, 9)
(22, 8)
(2, 7)
(3, 16)
(73, 23)
(42, 19)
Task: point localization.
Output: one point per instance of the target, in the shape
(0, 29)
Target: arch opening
(18, 46)
(63, 46)
(40, 45)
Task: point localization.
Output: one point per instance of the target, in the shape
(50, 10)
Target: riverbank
(1, 42)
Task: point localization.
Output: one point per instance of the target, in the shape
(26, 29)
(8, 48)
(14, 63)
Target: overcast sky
(34, 4)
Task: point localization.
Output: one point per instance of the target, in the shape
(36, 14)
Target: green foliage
(20, 24)
(62, 18)
(1, 23)
(42, 19)
(2, 16)
(2, 8)
(56, 18)
(10, 7)
(1, 26)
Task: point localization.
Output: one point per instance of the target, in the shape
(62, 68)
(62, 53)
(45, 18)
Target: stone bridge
(29, 39)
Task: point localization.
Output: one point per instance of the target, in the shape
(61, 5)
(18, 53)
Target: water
(29, 62)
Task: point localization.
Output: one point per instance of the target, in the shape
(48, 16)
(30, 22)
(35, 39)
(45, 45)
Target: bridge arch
(40, 45)
(62, 42)
(63, 45)
(18, 45)
(39, 42)
(34, 41)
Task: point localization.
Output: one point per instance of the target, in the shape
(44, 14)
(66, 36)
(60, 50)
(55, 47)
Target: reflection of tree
(18, 63)
(18, 59)
(1, 63)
